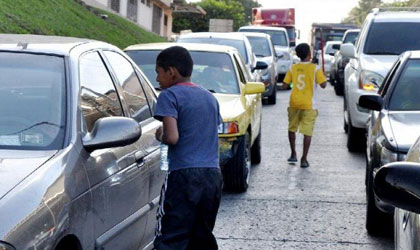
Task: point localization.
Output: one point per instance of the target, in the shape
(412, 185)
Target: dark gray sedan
(78, 157)
(392, 128)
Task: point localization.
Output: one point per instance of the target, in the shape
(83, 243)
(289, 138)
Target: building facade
(152, 15)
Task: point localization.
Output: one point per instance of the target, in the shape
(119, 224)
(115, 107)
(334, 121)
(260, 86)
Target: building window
(115, 5)
(148, 3)
(165, 20)
(143, 1)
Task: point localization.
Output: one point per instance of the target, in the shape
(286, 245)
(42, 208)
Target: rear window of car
(212, 70)
(351, 37)
(405, 96)
(387, 38)
(32, 101)
(260, 46)
(277, 37)
(237, 44)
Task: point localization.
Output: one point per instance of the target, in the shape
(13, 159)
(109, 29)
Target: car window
(132, 90)
(146, 60)
(215, 72)
(277, 37)
(98, 95)
(405, 95)
(237, 44)
(32, 101)
(392, 38)
(240, 70)
(260, 46)
(388, 79)
(351, 37)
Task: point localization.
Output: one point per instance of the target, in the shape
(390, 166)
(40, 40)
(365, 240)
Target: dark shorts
(190, 199)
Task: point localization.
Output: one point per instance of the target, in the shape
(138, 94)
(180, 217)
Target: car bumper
(228, 146)
(358, 115)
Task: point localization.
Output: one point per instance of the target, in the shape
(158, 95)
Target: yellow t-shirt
(305, 77)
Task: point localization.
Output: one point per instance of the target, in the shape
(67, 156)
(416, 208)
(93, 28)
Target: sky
(312, 11)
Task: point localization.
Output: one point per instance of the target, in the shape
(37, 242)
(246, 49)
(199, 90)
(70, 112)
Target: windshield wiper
(35, 125)
(382, 53)
(211, 90)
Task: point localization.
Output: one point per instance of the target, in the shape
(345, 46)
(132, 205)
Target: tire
(376, 220)
(339, 87)
(345, 125)
(272, 99)
(353, 140)
(256, 150)
(237, 171)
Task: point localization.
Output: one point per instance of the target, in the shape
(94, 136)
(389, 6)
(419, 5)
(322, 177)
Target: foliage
(69, 18)
(248, 5)
(220, 9)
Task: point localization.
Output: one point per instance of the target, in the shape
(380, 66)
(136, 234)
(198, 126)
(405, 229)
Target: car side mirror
(331, 54)
(292, 44)
(254, 88)
(397, 184)
(260, 65)
(112, 132)
(371, 101)
(336, 46)
(348, 50)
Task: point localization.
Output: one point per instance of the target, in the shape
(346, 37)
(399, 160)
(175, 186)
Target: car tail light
(228, 128)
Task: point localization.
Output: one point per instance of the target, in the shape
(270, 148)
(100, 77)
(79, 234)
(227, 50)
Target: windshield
(392, 38)
(260, 46)
(351, 37)
(237, 44)
(212, 70)
(277, 37)
(32, 101)
(407, 91)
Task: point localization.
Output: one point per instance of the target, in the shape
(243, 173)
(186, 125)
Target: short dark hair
(177, 57)
(302, 50)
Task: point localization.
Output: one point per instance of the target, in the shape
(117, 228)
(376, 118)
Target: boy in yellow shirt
(302, 111)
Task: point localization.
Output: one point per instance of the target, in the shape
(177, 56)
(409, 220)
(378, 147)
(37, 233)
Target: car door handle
(139, 155)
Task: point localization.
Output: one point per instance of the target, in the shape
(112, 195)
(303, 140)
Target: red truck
(276, 18)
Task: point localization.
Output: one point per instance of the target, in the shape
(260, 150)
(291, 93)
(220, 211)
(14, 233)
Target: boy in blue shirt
(191, 193)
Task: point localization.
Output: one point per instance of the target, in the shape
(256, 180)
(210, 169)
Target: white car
(329, 52)
(234, 39)
(281, 45)
(384, 36)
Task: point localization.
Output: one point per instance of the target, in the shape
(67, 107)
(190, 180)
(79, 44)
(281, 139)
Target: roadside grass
(70, 18)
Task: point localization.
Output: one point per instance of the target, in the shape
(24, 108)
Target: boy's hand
(159, 134)
(284, 86)
(323, 85)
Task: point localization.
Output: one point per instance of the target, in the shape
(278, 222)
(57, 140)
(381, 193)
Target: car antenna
(23, 45)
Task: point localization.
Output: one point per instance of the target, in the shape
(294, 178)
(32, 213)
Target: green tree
(248, 5)
(220, 9)
(358, 14)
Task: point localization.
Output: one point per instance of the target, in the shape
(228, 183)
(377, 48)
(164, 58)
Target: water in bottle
(164, 162)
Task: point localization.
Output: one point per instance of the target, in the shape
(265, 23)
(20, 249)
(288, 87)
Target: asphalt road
(286, 207)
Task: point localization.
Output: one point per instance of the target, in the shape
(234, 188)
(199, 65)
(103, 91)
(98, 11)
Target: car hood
(230, 106)
(378, 63)
(16, 165)
(405, 127)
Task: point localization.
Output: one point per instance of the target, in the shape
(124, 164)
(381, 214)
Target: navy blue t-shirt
(197, 113)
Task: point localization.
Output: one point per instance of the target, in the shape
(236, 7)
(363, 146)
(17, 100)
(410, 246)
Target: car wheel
(237, 171)
(338, 87)
(272, 99)
(345, 124)
(355, 138)
(376, 220)
(256, 150)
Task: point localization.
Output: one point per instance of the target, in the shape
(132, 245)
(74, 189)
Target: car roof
(414, 54)
(256, 34)
(397, 16)
(225, 35)
(42, 44)
(260, 27)
(333, 42)
(188, 46)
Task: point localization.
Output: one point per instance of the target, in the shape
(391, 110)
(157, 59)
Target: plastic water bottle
(164, 162)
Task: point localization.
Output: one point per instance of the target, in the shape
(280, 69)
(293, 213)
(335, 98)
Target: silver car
(79, 163)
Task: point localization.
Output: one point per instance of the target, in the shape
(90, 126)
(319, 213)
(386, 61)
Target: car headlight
(5, 246)
(388, 156)
(369, 80)
(227, 128)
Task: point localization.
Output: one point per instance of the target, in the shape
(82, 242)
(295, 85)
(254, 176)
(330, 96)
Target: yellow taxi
(221, 70)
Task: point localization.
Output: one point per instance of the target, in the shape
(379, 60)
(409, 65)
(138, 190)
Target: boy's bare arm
(284, 86)
(323, 85)
(169, 133)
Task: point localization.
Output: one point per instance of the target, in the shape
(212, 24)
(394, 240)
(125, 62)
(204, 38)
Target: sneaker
(304, 164)
(292, 159)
